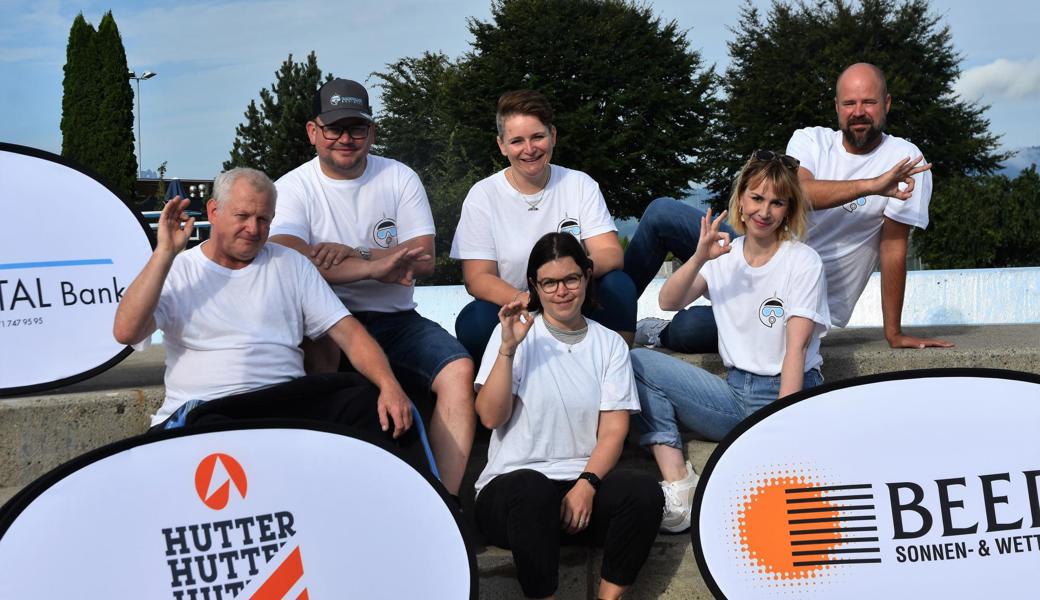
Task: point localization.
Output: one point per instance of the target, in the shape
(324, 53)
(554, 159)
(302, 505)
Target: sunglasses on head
(768, 155)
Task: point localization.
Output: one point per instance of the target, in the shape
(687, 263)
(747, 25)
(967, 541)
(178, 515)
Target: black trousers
(521, 511)
(341, 398)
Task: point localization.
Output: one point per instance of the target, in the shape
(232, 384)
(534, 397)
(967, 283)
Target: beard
(866, 138)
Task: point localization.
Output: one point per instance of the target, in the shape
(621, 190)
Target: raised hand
(712, 242)
(399, 266)
(175, 226)
(516, 322)
(329, 254)
(887, 184)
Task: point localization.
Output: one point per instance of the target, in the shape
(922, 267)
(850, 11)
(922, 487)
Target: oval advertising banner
(268, 512)
(69, 249)
(908, 485)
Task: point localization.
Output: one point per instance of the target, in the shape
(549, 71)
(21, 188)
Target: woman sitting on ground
(557, 389)
(768, 295)
(504, 214)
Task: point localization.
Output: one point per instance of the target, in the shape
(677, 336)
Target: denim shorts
(416, 347)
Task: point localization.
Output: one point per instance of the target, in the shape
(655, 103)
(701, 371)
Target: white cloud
(1001, 79)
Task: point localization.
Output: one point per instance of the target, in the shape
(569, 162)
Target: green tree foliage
(985, 221)
(784, 69)
(97, 106)
(115, 132)
(631, 98)
(78, 103)
(419, 127)
(273, 137)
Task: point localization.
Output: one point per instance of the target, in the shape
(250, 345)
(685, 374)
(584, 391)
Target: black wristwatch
(592, 478)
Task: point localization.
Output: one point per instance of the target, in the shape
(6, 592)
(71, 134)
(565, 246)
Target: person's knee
(658, 208)
(454, 382)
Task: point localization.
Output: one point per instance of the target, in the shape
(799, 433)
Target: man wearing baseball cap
(365, 222)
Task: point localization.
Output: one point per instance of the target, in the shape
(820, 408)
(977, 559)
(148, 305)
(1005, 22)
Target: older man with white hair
(234, 311)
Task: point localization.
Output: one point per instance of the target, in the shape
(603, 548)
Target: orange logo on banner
(793, 528)
(283, 579)
(213, 484)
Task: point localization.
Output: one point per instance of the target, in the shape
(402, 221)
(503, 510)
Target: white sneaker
(648, 331)
(678, 501)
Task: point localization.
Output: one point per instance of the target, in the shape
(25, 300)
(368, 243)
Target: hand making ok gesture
(712, 243)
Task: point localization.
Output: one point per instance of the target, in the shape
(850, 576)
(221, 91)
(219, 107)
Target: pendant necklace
(531, 204)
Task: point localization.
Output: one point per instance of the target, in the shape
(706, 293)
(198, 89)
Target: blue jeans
(673, 393)
(668, 225)
(615, 295)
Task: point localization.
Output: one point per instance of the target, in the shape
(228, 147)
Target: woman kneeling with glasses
(557, 390)
(769, 298)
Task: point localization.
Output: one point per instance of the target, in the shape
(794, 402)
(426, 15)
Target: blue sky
(213, 57)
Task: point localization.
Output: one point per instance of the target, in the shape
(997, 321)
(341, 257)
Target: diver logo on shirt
(852, 206)
(771, 311)
(570, 225)
(384, 234)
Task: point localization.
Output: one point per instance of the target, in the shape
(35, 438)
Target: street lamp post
(140, 143)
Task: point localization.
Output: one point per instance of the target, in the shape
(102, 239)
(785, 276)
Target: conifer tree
(273, 137)
(97, 104)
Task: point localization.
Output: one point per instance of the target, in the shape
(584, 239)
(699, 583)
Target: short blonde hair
(786, 185)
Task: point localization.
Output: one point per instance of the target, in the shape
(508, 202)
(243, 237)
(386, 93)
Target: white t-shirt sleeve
(413, 207)
(618, 391)
(474, 237)
(807, 296)
(595, 218)
(321, 308)
(803, 146)
(290, 214)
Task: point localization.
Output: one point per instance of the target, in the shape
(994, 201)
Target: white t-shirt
(228, 331)
(497, 225)
(560, 391)
(848, 237)
(387, 205)
(752, 305)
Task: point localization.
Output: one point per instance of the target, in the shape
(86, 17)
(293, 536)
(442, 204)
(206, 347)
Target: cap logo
(336, 100)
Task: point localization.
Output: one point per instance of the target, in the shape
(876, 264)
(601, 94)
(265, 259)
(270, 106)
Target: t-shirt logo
(570, 225)
(384, 234)
(852, 206)
(771, 311)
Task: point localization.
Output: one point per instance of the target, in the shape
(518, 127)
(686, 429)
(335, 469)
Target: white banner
(909, 485)
(261, 514)
(69, 249)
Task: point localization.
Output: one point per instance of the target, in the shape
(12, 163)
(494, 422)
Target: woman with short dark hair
(556, 388)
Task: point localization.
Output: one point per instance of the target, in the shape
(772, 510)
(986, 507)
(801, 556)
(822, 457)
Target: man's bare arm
(135, 315)
(339, 263)
(823, 193)
(894, 240)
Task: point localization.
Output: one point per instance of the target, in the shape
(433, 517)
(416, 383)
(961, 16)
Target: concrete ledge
(851, 353)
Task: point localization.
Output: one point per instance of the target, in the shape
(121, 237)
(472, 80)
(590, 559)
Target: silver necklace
(531, 204)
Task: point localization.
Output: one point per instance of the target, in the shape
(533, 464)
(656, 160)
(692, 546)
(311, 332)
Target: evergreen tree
(784, 69)
(79, 111)
(273, 137)
(116, 159)
(97, 106)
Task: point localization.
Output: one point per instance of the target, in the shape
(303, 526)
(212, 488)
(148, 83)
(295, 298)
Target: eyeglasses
(571, 282)
(767, 155)
(334, 132)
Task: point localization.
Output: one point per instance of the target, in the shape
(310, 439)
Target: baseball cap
(342, 99)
